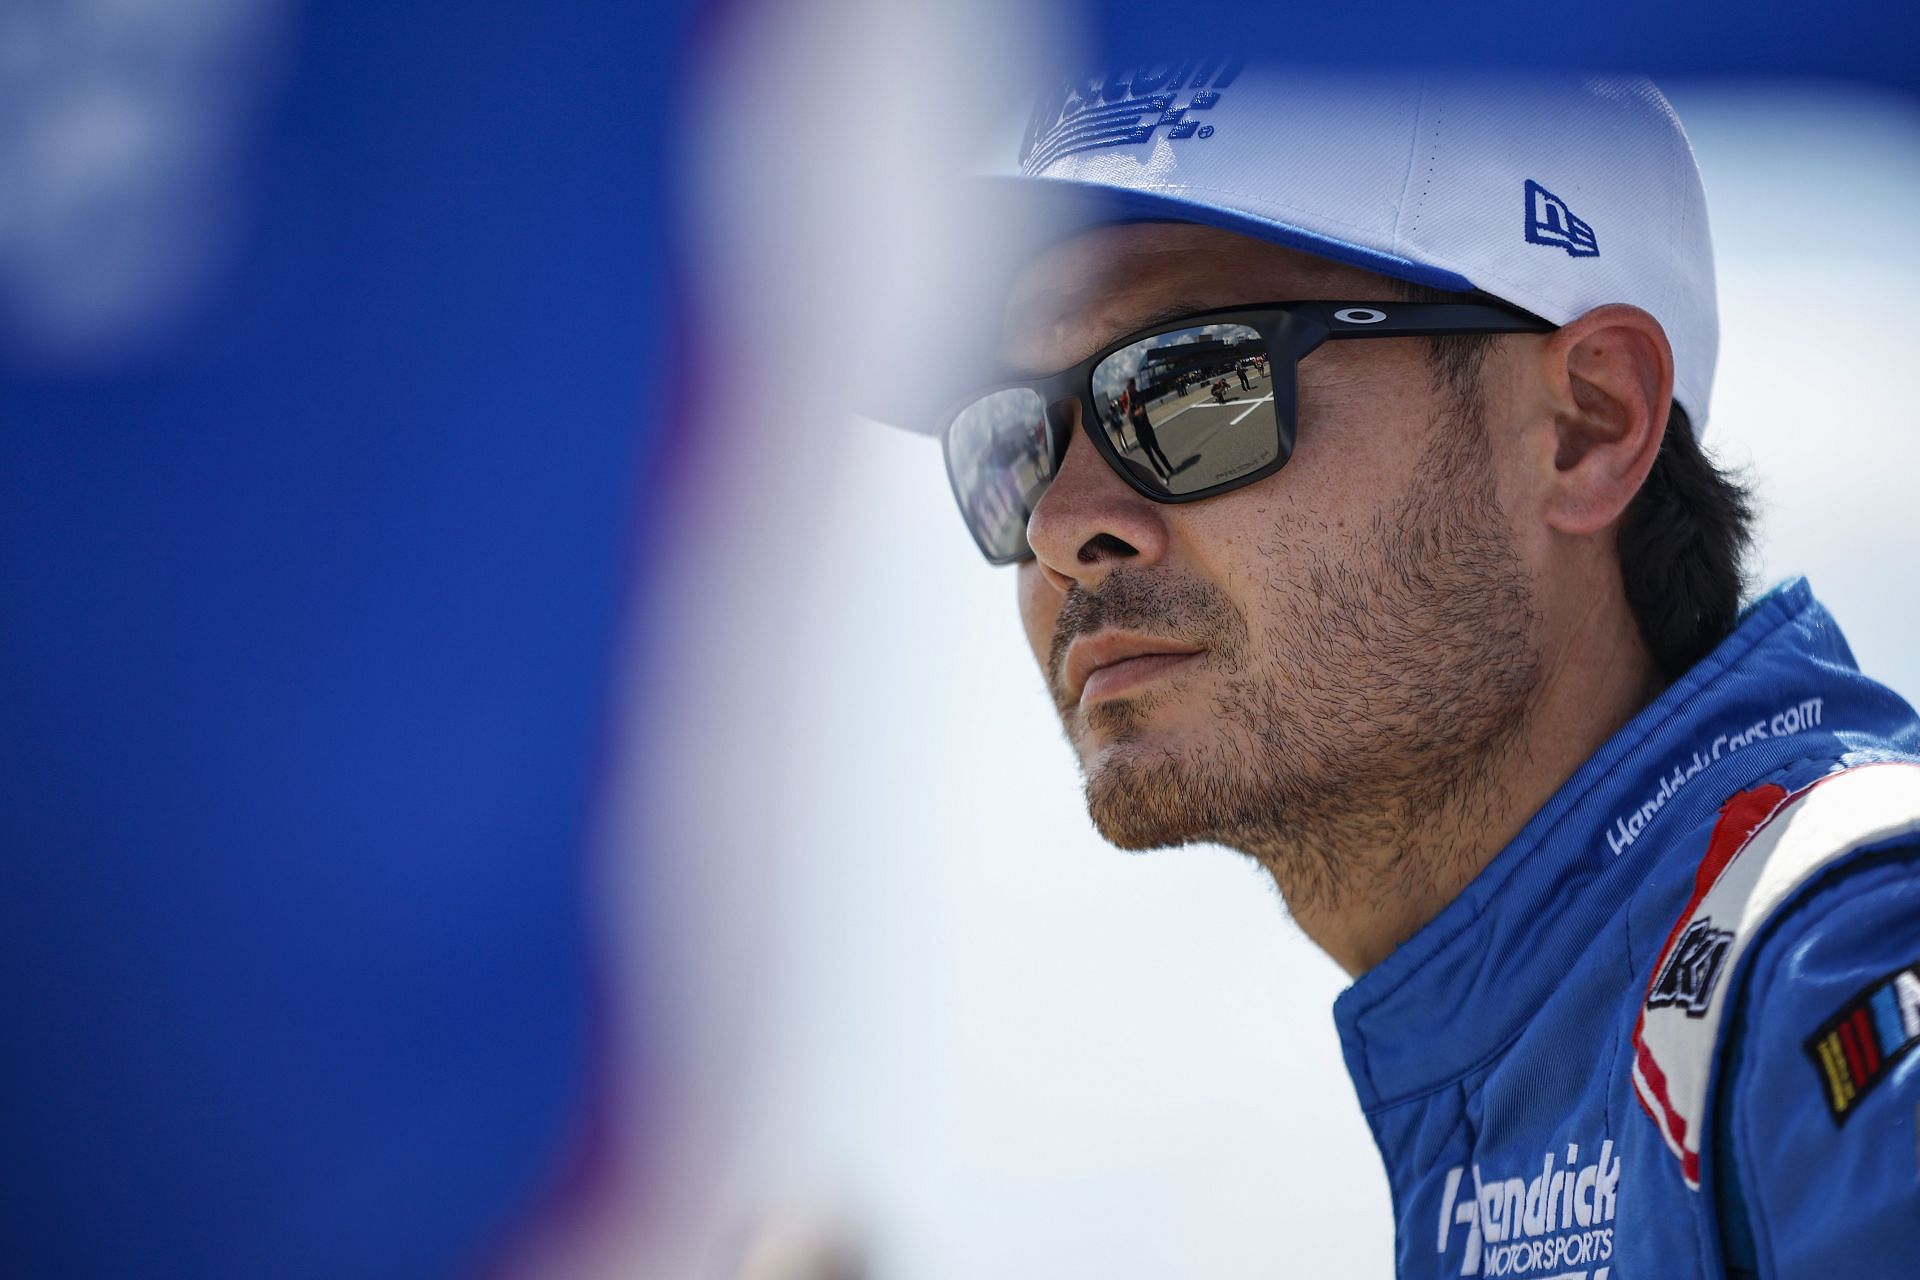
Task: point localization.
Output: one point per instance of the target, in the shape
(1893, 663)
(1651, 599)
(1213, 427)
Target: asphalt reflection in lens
(1189, 408)
(998, 456)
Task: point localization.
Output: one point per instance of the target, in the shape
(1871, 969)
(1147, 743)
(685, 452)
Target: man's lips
(1105, 664)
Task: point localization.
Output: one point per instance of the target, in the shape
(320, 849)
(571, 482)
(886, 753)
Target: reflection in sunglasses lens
(1000, 462)
(1183, 410)
(1190, 408)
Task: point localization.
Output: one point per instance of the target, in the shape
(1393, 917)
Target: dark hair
(1683, 547)
(1683, 539)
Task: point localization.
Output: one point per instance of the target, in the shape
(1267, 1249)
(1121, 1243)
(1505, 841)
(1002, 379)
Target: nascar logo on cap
(1124, 108)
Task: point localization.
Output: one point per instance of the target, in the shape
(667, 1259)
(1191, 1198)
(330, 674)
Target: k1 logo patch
(1856, 1048)
(1691, 969)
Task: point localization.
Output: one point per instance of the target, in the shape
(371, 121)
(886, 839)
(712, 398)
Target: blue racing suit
(1666, 1032)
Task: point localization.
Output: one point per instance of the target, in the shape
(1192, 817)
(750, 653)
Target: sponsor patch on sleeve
(1766, 844)
(1857, 1047)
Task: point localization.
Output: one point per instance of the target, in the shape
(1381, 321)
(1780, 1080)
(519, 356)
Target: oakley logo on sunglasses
(1360, 315)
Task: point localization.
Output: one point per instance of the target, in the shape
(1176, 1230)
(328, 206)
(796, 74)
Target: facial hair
(1377, 704)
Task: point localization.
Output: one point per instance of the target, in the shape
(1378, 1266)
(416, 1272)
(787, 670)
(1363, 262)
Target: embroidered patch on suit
(1692, 967)
(1765, 845)
(1858, 1046)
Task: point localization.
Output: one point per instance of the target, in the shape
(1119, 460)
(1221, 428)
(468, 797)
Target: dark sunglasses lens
(1000, 456)
(1190, 408)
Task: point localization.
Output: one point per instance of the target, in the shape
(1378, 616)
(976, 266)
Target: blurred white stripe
(821, 127)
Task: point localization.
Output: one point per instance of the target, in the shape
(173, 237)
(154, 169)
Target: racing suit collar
(1452, 996)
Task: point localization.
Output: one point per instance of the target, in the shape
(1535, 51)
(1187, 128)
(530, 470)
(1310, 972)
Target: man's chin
(1143, 796)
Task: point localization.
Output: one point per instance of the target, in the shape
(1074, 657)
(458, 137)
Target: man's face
(1347, 638)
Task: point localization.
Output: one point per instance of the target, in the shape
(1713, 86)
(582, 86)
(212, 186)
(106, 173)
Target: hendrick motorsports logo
(1556, 1224)
(1123, 108)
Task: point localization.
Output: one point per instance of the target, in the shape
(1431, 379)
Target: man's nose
(1090, 521)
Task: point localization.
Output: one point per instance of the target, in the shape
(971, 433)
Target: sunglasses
(1189, 408)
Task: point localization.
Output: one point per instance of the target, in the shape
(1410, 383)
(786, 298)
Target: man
(1454, 649)
(1136, 411)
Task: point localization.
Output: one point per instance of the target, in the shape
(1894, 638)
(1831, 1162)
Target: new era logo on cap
(1549, 221)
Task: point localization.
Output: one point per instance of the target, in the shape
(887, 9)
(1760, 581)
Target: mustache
(1180, 609)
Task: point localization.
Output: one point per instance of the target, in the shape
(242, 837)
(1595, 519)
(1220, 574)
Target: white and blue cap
(1558, 196)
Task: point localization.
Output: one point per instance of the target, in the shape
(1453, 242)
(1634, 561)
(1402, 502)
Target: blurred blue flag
(332, 346)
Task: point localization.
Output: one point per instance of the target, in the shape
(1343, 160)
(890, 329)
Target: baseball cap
(1557, 195)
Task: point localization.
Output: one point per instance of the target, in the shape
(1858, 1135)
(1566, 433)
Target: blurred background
(502, 773)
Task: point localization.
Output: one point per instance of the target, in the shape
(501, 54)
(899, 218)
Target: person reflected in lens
(1143, 431)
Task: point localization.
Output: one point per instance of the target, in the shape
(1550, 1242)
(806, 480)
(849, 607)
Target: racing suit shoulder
(1819, 1170)
(1775, 1008)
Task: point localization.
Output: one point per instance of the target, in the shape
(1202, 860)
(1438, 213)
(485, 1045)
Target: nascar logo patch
(1858, 1046)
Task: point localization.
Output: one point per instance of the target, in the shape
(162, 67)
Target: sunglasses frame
(1290, 331)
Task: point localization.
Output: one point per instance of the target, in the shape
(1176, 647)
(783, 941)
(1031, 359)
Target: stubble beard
(1397, 680)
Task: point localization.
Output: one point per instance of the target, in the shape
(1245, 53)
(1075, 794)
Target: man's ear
(1609, 376)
